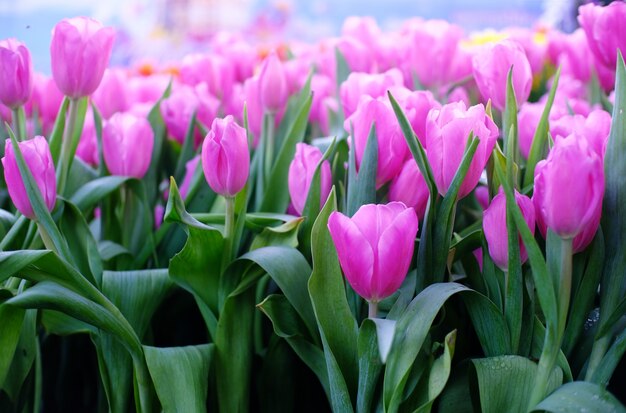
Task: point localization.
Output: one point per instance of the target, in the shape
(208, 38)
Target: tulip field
(413, 220)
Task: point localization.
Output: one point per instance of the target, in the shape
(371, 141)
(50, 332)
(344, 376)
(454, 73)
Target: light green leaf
(580, 396)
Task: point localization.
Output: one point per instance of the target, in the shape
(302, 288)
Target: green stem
(19, 123)
(65, 161)
(554, 336)
(144, 384)
(229, 231)
(270, 139)
(599, 349)
(372, 309)
(47, 240)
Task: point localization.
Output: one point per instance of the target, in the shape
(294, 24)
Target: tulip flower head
(80, 51)
(410, 187)
(16, 73)
(127, 142)
(38, 158)
(301, 171)
(375, 247)
(447, 131)
(273, 88)
(495, 229)
(225, 157)
(569, 187)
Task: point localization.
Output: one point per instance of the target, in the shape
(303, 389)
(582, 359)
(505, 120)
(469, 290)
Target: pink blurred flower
(16, 73)
(301, 171)
(358, 85)
(410, 188)
(127, 143)
(110, 97)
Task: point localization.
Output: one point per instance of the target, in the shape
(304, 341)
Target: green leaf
(11, 319)
(509, 121)
(440, 372)
(580, 396)
(154, 175)
(539, 145)
(58, 323)
(338, 328)
(605, 369)
(283, 235)
(24, 356)
(180, 376)
(505, 383)
(362, 185)
(88, 195)
(370, 365)
(197, 266)
(276, 195)
(56, 137)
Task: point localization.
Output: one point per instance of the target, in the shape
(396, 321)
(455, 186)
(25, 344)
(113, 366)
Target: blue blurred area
(31, 21)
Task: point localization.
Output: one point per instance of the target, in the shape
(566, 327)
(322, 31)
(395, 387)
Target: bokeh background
(167, 29)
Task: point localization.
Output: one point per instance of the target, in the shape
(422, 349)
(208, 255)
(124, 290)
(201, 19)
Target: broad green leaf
(58, 323)
(88, 195)
(362, 185)
(283, 235)
(24, 356)
(180, 376)
(80, 174)
(605, 369)
(538, 148)
(505, 383)
(11, 319)
(338, 329)
(539, 332)
(580, 396)
(288, 324)
(370, 365)
(276, 195)
(440, 372)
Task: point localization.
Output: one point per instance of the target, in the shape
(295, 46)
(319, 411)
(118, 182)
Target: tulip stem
(47, 240)
(552, 344)
(65, 160)
(372, 309)
(19, 123)
(269, 120)
(229, 231)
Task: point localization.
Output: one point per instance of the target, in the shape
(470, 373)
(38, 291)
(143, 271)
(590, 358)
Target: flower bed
(413, 220)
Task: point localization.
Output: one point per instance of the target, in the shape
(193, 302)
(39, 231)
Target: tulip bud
(410, 187)
(16, 73)
(360, 84)
(491, 66)
(375, 247)
(301, 172)
(273, 90)
(569, 186)
(39, 161)
(225, 157)
(447, 131)
(392, 147)
(127, 142)
(496, 232)
(80, 51)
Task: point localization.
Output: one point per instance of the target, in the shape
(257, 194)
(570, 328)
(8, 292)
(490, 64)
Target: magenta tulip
(375, 247)
(569, 186)
(38, 158)
(87, 149)
(374, 85)
(46, 99)
(392, 147)
(16, 73)
(214, 70)
(273, 88)
(496, 232)
(80, 51)
(491, 65)
(225, 157)
(301, 172)
(111, 96)
(127, 142)
(447, 131)
(410, 187)
(594, 128)
(416, 105)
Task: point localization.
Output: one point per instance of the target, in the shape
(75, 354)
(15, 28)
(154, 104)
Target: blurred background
(167, 29)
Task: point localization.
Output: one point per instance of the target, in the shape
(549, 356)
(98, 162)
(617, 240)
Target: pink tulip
(111, 96)
(16, 73)
(534, 44)
(605, 28)
(178, 109)
(496, 232)
(80, 51)
(322, 88)
(572, 53)
(482, 196)
(569, 186)
(491, 66)
(375, 247)
(39, 161)
(146, 89)
(273, 88)
(374, 85)
(447, 131)
(416, 106)
(46, 99)
(409, 187)
(214, 70)
(431, 46)
(225, 157)
(594, 128)
(301, 172)
(127, 142)
(392, 147)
